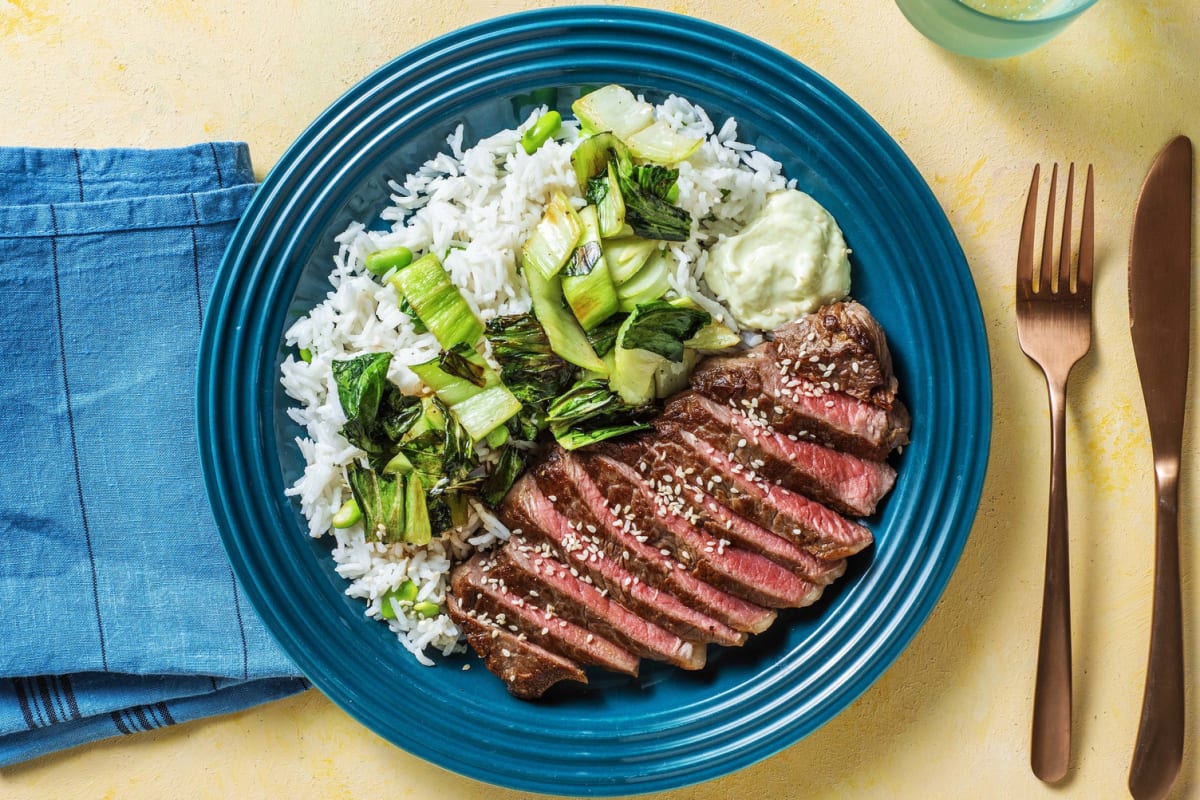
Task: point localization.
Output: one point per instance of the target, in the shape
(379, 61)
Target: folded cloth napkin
(121, 612)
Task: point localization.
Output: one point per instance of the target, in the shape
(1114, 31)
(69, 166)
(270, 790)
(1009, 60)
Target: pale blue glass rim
(1026, 23)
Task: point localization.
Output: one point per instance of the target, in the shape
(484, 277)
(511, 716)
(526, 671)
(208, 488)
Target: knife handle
(1159, 749)
(1050, 753)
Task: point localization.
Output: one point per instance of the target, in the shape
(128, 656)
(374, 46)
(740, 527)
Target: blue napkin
(120, 610)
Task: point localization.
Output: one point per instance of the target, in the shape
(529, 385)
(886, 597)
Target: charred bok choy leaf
(502, 476)
(377, 413)
(604, 168)
(662, 328)
(381, 499)
(529, 366)
(591, 412)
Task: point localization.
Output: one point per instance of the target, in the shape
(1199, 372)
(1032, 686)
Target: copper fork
(1054, 326)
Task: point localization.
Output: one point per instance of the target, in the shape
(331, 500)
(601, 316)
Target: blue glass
(964, 28)
(667, 728)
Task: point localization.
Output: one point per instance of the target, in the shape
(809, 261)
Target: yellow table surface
(951, 717)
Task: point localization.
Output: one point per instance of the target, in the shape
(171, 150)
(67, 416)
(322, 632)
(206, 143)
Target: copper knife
(1160, 264)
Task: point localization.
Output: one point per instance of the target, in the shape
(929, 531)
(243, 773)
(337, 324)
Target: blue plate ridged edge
(926, 521)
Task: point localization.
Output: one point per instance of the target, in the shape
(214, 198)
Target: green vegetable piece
(437, 302)
(540, 132)
(417, 530)
(407, 309)
(426, 609)
(404, 593)
(604, 336)
(399, 464)
(529, 366)
(381, 262)
(566, 336)
(382, 501)
(659, 142)
(478, 409)
(590, 293)
(671, 377)
(377, 413)
(626, 255)
(591, 157)
(650, 283)
(604, 192)
(502, 476)
(498, 437)
(553, 240)
(662, 328)
(573, 439)
(347, 515)
(457, 363)
(613, 108)
(482, 413)
(655, 179)
(306, 355)
(585, 400)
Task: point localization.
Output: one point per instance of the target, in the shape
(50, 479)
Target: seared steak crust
(526, 669)
(754, 383)
(839, 347)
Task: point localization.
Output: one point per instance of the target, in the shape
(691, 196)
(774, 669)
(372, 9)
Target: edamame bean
(382, 261)
(539, 132)
(347, 515)
(427, 609)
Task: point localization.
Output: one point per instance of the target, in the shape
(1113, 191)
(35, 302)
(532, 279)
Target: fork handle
(1051, 745)
(1159, 749)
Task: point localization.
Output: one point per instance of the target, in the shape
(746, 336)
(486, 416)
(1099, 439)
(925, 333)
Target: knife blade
(1160, 262)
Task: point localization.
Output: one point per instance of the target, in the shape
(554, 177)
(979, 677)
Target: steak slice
(841, 481)
(488, 599)
(754, 383)
(622, 539)
(839, 347)
(660, 520)
(814, 527)
(573, 544)
(720, 521)
(524, 566)
(527, 669)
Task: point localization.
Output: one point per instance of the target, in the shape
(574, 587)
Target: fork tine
(1025, 249)
(1046, 276)
(1087, 229)
(1064, 251)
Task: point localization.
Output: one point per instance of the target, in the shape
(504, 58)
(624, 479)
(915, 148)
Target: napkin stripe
(216, 163)
(196, 253)
(165, 712)
(116, 718)
(47, 699)
(23, 700)
(68, 694)
(62, 352)
(78, 173)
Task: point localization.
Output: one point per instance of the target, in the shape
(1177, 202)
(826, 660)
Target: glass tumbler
(991, 28)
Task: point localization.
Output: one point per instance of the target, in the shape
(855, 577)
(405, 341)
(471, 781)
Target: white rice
(474, 207)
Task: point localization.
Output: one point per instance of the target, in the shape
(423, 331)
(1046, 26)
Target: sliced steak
(814, 527)
(839, 347)
(755, 384)
(621, 537)
(583, 550)
(841, 481)
(527, 669)
(524, 567)
(488, 599)
(720, 521)
(659, 518)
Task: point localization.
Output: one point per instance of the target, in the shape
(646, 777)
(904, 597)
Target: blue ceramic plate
(669, 728)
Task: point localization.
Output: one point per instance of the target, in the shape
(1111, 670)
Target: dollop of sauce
(790, 260)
